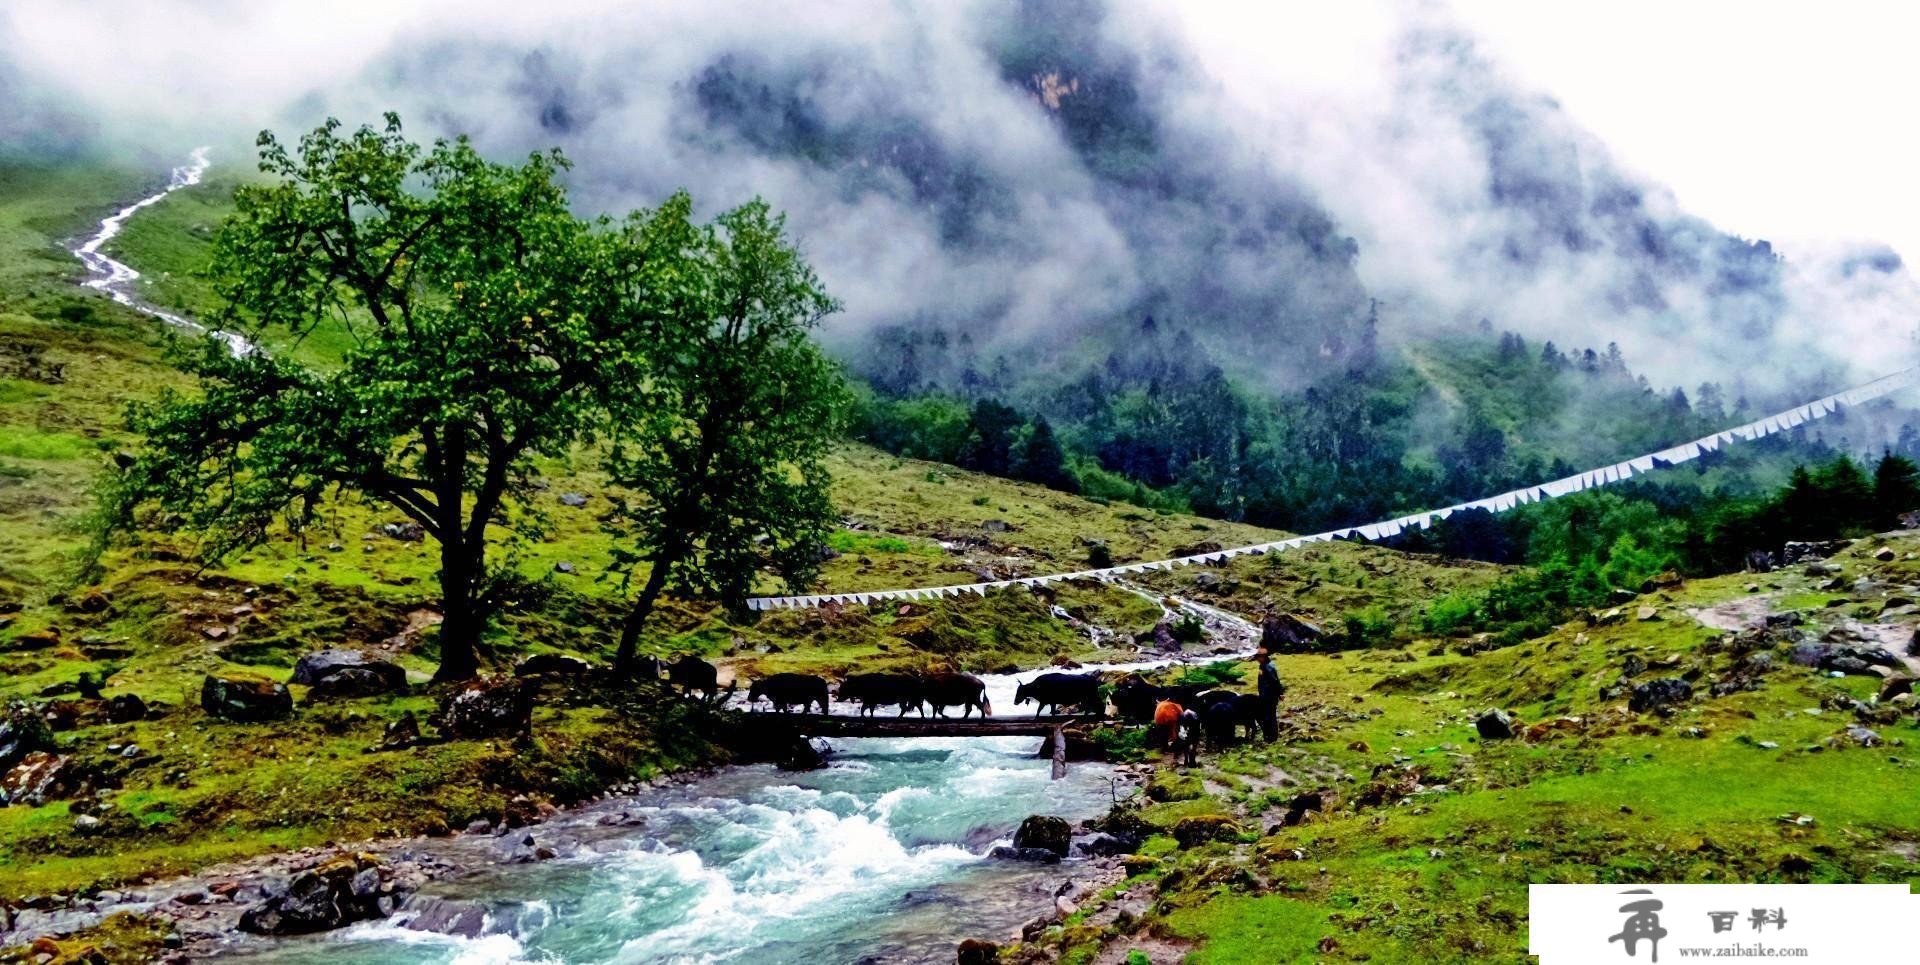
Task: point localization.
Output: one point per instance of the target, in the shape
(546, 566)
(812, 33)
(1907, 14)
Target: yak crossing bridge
(1051, 728)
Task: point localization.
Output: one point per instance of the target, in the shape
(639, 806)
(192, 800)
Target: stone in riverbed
(1037, 855)
(975, 951)
(321, 898)
(1044, 831)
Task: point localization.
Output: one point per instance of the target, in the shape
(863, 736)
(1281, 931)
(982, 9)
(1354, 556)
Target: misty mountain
(1042, 176)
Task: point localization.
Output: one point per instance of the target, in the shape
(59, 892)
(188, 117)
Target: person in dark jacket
(1270, 692)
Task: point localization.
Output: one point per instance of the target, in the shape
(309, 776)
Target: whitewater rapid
(880, 856)
(115, 278)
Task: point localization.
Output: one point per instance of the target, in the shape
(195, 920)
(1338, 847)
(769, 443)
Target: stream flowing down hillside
(115, 278)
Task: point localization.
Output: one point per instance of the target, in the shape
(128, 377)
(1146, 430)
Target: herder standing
(1271, 690)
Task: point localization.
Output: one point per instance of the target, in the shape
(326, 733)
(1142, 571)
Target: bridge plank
(848, 725)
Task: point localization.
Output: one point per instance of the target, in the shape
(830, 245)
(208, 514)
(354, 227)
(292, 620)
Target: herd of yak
(1133, 699)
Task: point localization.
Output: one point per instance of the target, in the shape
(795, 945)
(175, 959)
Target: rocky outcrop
(1285, 633)
(1044, 832)
(314, 668)
(38, 778)
(1852, 659)
(1656, 695)
(23, 730)
(248, 700)
(339, 891)
(490, 707)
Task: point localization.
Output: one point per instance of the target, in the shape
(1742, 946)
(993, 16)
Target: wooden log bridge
(1053, 747)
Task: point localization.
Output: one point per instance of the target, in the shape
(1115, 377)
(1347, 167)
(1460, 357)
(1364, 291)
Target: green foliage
(1220, 673)
(1367, 627)
(490, 327)
(725, 434)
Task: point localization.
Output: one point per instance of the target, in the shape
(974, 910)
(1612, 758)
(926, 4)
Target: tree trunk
(462, 622)
(636, 620)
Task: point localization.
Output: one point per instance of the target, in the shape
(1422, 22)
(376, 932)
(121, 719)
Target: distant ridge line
(1579, 482)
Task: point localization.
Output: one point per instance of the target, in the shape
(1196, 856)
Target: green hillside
(1418, 849)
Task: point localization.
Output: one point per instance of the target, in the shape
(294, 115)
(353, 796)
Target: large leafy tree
(486, 325)
(724, 445)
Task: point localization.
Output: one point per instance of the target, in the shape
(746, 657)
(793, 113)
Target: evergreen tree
(1896, 489)
(989, 445)
(1042, 460)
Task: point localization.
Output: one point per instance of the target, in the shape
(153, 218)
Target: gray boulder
(314, 667)
(1495, 724)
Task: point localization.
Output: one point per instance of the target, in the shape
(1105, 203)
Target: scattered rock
(1200, 829)
(123, 708)
(1894, 687)
(23, 730)
(1037, 855)
(445, 916)
(1659, 694)
(245, 699)
(974, 951)
(1104, 845)
(490, 707)
(557, 664)
(350, 682)
(406, 531)
(1863, 736)
(39, 777)
(1495, 724)
(1647, 613)
(1046, 832)
(319, 899)
(576, 500)
(401, 733)
(1885, 554)
(312, 668)
(1302, 803)
(996, 526)
(1285, 632)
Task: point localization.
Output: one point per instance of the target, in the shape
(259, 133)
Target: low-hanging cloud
(1034, 173)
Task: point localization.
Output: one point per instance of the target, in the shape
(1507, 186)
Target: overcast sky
(1789, 121)
(1792, 121)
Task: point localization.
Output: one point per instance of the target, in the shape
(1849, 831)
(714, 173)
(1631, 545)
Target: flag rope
(1385, 529)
